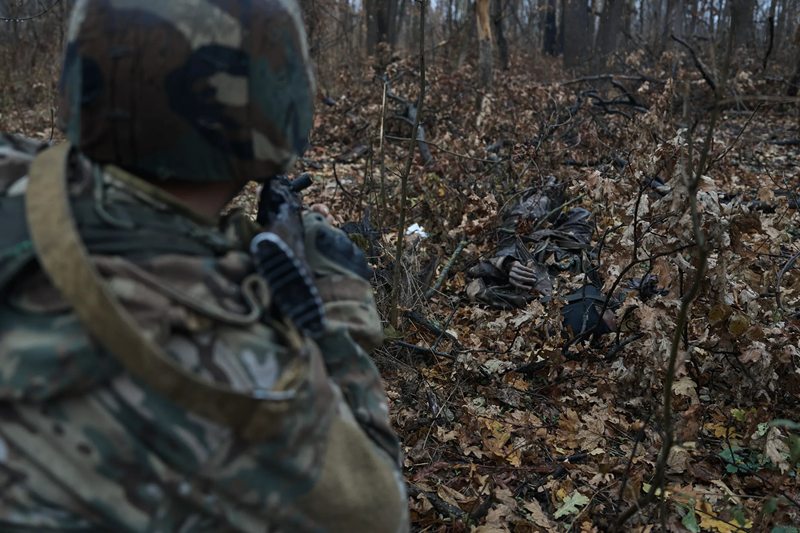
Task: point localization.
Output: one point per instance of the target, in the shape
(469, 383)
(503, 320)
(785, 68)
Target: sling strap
(65, 259)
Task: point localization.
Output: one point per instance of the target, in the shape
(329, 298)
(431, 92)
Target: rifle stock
(279, 254)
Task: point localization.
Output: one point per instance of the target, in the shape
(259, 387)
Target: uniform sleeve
(342, 273)
(342, 277)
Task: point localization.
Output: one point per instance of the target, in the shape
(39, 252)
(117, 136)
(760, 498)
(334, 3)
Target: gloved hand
(522, 276)
(323, 210)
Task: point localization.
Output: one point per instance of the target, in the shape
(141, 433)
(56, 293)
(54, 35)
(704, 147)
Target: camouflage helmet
(200, 90)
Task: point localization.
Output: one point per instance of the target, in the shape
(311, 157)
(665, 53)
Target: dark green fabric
(134, 232)
(16, 249)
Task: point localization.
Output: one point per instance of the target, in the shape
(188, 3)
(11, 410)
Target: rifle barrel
(301, 182)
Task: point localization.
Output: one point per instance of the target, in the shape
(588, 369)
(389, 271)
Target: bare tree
(609, 30)
(550, 29)
(673, 22)
(497, 22)
(578, 34)
(794, 81)
(377, 13)
(485, 59)
(743, 11)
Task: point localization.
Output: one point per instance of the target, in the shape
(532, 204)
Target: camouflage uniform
(85, 446)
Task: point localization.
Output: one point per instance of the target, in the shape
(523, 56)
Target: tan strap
(65, 259)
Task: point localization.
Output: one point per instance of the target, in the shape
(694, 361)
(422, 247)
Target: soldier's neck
(207, 199)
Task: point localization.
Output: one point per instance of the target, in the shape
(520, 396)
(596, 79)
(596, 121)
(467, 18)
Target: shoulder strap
(65, 259)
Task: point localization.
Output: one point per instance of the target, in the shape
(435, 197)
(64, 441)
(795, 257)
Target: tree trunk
(345, 14)
(770, 33)
(402, 15)
(742, 12)
(485, 59)
(578, 34)
(609, 30)
(561, 26)
(391, 21)
(311, 20)
(693, 10)
(377, 13)
(449, 19)
(550, 29)
(467, 34)
(641, 18)
(497, 22)
(674, 12)
(780, 26)
(370, 6)
(794, 81)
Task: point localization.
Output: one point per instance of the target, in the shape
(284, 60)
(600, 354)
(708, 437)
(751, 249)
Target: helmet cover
(199, 90)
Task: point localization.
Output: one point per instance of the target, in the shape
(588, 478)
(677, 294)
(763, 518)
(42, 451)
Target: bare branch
(401, 227)
(698, 63)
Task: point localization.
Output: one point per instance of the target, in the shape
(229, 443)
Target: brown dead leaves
(524, 434)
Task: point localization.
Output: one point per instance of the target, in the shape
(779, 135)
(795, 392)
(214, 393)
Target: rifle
(279, 254)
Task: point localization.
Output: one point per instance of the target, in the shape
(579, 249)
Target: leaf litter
(505, 430)
(497, 419)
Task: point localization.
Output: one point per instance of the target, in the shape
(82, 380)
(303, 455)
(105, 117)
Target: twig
(440, 505)
(787, 142)
(529, 368)
(602, 77)
(640, 435)
(691, 177)
(618, 346)
(345, 191)
(37, 15)
(429, 143)
(698, 63)
(417, 318)
(446, 269)
(383, 160)
(789, 264)
(738, 136)
(444, 330)
(401, 228)
(422, 349)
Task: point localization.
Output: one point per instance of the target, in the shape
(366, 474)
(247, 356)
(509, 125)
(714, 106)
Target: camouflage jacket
(85, 447)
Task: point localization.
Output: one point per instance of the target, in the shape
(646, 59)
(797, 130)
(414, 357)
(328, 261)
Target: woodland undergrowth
(506, 427)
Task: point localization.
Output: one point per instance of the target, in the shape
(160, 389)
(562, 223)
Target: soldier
(149, 380)
(530, 255)
(520, 272)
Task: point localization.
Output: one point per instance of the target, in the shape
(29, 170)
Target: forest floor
(494, 442)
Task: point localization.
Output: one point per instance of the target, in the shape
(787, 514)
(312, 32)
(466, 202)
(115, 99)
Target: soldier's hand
(522, 276)
(323, 210)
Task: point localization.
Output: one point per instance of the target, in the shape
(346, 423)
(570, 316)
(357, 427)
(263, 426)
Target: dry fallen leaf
(777, 450)
(538, 515)
(686, 387)
(739, 324)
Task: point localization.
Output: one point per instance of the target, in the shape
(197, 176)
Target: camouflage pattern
(84, 447)
(203, 90)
